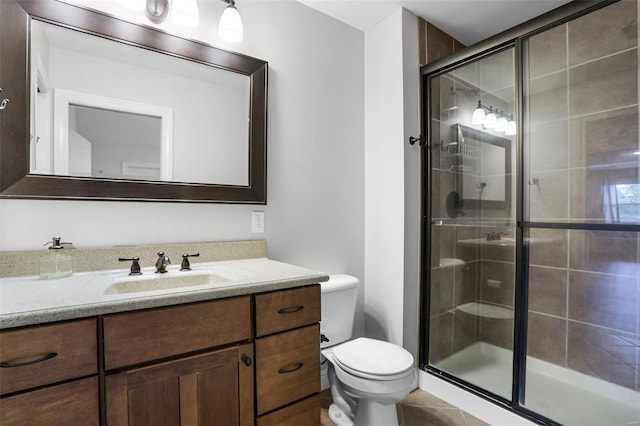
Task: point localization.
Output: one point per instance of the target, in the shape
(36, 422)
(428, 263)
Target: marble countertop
(29, 300)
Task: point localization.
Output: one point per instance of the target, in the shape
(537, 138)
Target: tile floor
(418, 409)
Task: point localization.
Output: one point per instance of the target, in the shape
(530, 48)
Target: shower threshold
(559, 393)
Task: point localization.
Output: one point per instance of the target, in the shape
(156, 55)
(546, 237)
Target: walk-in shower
(531, 278)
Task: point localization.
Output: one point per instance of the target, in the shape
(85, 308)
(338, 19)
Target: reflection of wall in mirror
(41, 149)
(217, 113)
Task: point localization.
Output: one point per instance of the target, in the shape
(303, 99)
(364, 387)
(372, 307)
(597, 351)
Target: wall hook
(413, 140)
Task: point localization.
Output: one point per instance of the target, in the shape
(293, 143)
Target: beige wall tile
(603, 299)
(551, 252)
(548, 290)
(606, 354)
(607, 83)
(548, 51)
(546, 338)
(613, 252)
(603, 32)
(548, 197)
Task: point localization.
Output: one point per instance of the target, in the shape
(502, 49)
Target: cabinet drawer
(287, 367)
(302, 413)
(287, 309)
(141, 336)
(45, 354)
(74, 403)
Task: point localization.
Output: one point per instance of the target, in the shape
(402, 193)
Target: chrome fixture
(493, 119)
(185, 14)
(185, 266)
(135, 265)
(162, 262)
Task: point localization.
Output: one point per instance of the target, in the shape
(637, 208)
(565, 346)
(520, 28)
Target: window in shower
(473, 217)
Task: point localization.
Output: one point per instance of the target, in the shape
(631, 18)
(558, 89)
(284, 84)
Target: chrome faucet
(162, 262)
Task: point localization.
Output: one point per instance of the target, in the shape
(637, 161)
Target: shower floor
(561, 394)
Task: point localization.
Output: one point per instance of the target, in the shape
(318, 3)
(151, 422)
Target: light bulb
(230, 28)
(185, 13)
(511, 128)
(137, 5)
(491, 119)
(501, 124)
(478, 116)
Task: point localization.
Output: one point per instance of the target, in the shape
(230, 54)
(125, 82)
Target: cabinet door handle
(247, 360)
(291, 310)
(35, 361)
(291, 368)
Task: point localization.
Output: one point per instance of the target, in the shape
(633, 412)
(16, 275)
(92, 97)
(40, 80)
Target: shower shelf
(486, 310)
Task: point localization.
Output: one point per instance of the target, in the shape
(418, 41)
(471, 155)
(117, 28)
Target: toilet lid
(373, 357)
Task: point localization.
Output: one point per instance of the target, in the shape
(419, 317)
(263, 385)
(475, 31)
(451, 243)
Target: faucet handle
(135, 266)
(185, 266)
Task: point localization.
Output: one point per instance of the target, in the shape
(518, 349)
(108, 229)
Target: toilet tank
(339, 296)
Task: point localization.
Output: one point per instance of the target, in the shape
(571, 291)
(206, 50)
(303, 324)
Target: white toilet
(367, 377)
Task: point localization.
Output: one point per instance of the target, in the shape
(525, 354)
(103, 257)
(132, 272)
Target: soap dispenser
(56, 263)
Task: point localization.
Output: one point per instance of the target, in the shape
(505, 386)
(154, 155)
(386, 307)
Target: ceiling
(469, 21)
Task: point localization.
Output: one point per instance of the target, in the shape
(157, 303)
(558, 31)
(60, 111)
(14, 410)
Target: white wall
(384, 180)
(392, 178)
(315, 210)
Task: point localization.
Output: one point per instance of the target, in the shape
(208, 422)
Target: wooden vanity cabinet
(247, 360)
(48, 374)
(181, 365)
(287, 349)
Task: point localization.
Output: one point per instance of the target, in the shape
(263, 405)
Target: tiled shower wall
(584, 295)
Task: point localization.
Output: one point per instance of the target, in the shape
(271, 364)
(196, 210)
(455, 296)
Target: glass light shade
(511, 128)
(137, 5)
(185, 13)
(230, 28)
(501, 124)
(490, 121)
(478, 116)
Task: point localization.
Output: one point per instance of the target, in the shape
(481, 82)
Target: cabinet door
(215, 388)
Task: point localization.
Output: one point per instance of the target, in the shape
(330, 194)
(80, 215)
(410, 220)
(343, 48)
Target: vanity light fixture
(490, 121)
(501, 123)
(479, 115)
(230, 27)
(496, 120)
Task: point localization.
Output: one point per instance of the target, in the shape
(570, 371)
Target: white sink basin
(172, 281)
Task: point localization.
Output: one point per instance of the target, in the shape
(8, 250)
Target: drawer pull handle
(291, 368)
(35, 361)
(291, 310)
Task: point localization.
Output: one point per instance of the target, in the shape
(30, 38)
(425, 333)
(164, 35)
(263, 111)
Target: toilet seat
(373, 359)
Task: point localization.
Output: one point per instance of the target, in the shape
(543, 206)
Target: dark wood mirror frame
(15, 179)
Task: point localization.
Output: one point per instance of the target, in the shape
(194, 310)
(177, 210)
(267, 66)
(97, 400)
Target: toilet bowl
(367, 377)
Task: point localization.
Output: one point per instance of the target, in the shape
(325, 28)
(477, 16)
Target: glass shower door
(583, 153)
(473, 222)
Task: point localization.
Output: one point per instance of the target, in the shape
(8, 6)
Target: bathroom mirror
(152, 117)
(484, 163)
